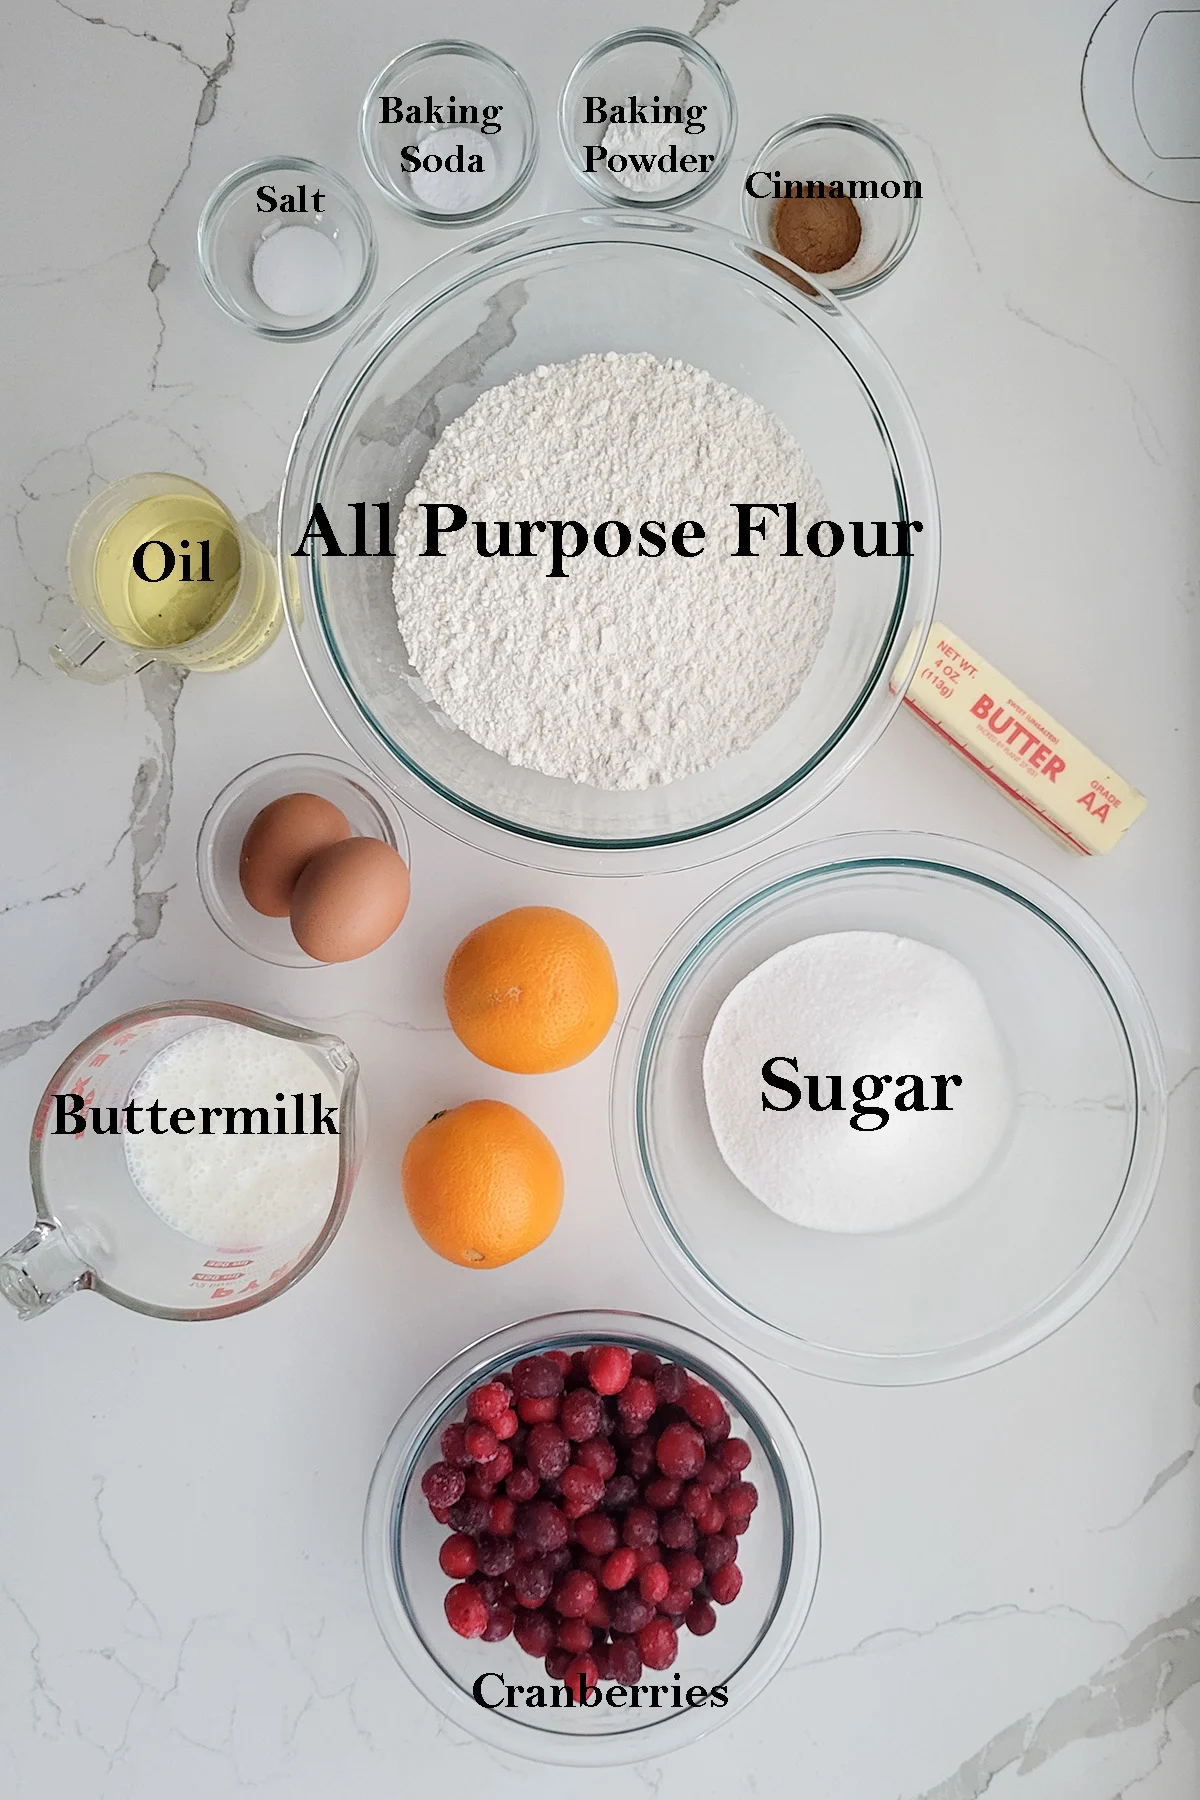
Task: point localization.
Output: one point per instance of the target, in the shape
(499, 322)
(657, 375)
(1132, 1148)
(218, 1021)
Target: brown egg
(280, 842)
(350, 897)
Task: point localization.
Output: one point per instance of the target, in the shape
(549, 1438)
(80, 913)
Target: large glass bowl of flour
(549, 291)
(1033, 1237)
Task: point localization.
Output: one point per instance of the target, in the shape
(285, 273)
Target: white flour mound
(855, 1003)
(629, 671)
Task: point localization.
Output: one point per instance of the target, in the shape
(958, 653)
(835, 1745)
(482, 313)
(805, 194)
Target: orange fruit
(531, 991)
(482, 1184)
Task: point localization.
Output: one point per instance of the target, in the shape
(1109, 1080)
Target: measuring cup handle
(39, 1270)
(89, 656)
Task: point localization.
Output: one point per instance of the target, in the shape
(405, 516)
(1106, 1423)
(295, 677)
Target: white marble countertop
(1008, 1599)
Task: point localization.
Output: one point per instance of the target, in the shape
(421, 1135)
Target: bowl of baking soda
(600, 540)
(889, 1108)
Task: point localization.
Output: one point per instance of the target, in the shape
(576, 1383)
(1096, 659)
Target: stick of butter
(1057, 780)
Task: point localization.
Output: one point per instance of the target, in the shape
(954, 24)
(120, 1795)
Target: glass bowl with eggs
(990, 1150)
(635, 711)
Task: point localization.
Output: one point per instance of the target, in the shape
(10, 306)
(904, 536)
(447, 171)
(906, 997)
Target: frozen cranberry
(714, 1476)
(716, 1551)
(517, 1441)
(576, 1375)
(581, 1674)
(676, 1530)
(495, 1555)
(481, 1483)
(670, 1384)
(636, 1403)
(535, 1632)
(711, 1519)
(694, 1498)
(653, 1583)
(629, 1611)
(734, 1455)
(470, 1515)
(582, 1490)
(487, 1402)
(559, 1560)
(574, 1593)
(506, 1425)
(561, 1360)
(441, 1513)
(649, 1553)
(597, 1453)
(501, 1464)
(442, 1485)
(640, 1526)
(547, 1452)
(639, 1457)
(457, 1556)
(658, 1644)
(536, 1409)
(680, 1451)
(598, 1614)
(598, 1532)
(702, 1404)
(619, 1568)
(608, 1367)
(736, 1526)
(585, 1559)
(492, 1590)
(675, 1602)
(580, 1414)
(725, 1584)
(624, 1661)
(482, 1442)
(465, 1611)
(646, 1364)
(499, 1625)
(700, 1618)
(522, 1484)
(531, 1583)
(715, 1434)
(536, 1377)
(558, 1661)
(454, 1446)
(541, 1524)
(620, 1492)
(685, 1570)
(574, 1635)
(739, 1499)
(661, 1493)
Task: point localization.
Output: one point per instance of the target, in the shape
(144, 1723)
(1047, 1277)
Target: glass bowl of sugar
(1031, 1236)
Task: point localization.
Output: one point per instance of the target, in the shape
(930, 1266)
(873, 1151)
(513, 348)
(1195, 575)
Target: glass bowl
(652, 65)
(1012, 1259)
(232, 230)
(369, 813)
(778, 1555)
(838, 148)
(476, 78)
(548, 290)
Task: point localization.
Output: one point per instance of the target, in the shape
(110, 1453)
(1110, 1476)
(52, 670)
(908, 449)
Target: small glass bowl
(779, 1557)
(232, 229)
(649, 64)
(476, 78)
(1011, 1260)
(837, 148)
(369, 810)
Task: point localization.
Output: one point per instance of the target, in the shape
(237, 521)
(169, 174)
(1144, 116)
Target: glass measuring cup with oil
(162, 571)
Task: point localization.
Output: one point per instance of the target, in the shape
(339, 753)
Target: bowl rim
(213, 217)
(419, 53)
(686, 46)
(850, 854)
(773, 1427)
(353, 365)
(855, 127)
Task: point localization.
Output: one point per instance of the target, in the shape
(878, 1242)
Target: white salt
(852, 1004)
(298, 271)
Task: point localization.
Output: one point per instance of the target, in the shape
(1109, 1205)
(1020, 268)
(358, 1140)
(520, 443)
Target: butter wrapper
(1015, 743)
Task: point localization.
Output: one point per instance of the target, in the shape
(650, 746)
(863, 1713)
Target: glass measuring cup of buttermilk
(190, 1161)
(163, 572)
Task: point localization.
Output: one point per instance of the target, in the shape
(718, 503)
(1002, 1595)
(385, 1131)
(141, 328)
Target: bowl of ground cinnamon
(836, 197)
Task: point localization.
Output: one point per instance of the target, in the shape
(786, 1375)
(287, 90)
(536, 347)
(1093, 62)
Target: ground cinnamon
(818, 234)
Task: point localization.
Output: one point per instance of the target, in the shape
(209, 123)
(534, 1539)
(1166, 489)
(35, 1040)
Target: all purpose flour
(627, 672)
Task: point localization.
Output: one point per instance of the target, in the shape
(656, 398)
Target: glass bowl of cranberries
(592, 1538)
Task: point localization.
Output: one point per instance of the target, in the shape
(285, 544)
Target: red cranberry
(620, 1492)
(636, 1403)
(547, 1452)
(465, 1611)
(700, 1618)
(716, 1551)
(581, 1674)
(640, 1526)
(646, 1364)
(624, 1661)
(580, 1414)
(481, 1483)
(531, 1583)
(680, 1451)
(558, 1661)
(535, 1632)
(653, 1583)
(725, 1584)
(702, 1404)
(711, 1519)
(492, 1590)
(522, 1484)
(559, 1560)
(582, 1490)
(502, 1517)
(649, 1553)
(714, 1476)
(715, 1434)
(506, 1425)
(577, 1373)
(561, 1360)
(598, 1533)
(487, 1402)
(685, 1570)
(662, 1493)
(694, 1499)
(574, 1635)
(677, 1531)
(734, 1455)
(598, 1614)
(574, 1593)
(536, 1377)
(500, 1623)
(629, 1611)
(675, 1602)
(536, 1409)
(454, 1446)
(495, 1555)
(597, 1453)
(470, 1515)
(441, 1513)
(592, 1563)
(670, 1384)
(457, 1557)
(442, 1485)
(639, 1458)
(658, 1644)
(608, 1367)
(739, 1499)
(619, 1568)
(736, 1526)
(541, 1524)
(482, 1442)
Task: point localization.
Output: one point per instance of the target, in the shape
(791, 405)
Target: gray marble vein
(708, 14)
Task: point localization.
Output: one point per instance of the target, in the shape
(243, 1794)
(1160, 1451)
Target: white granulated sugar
(629, 671)
(856, 1003)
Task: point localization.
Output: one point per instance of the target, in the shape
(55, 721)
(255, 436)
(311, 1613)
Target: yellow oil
(168, 610)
